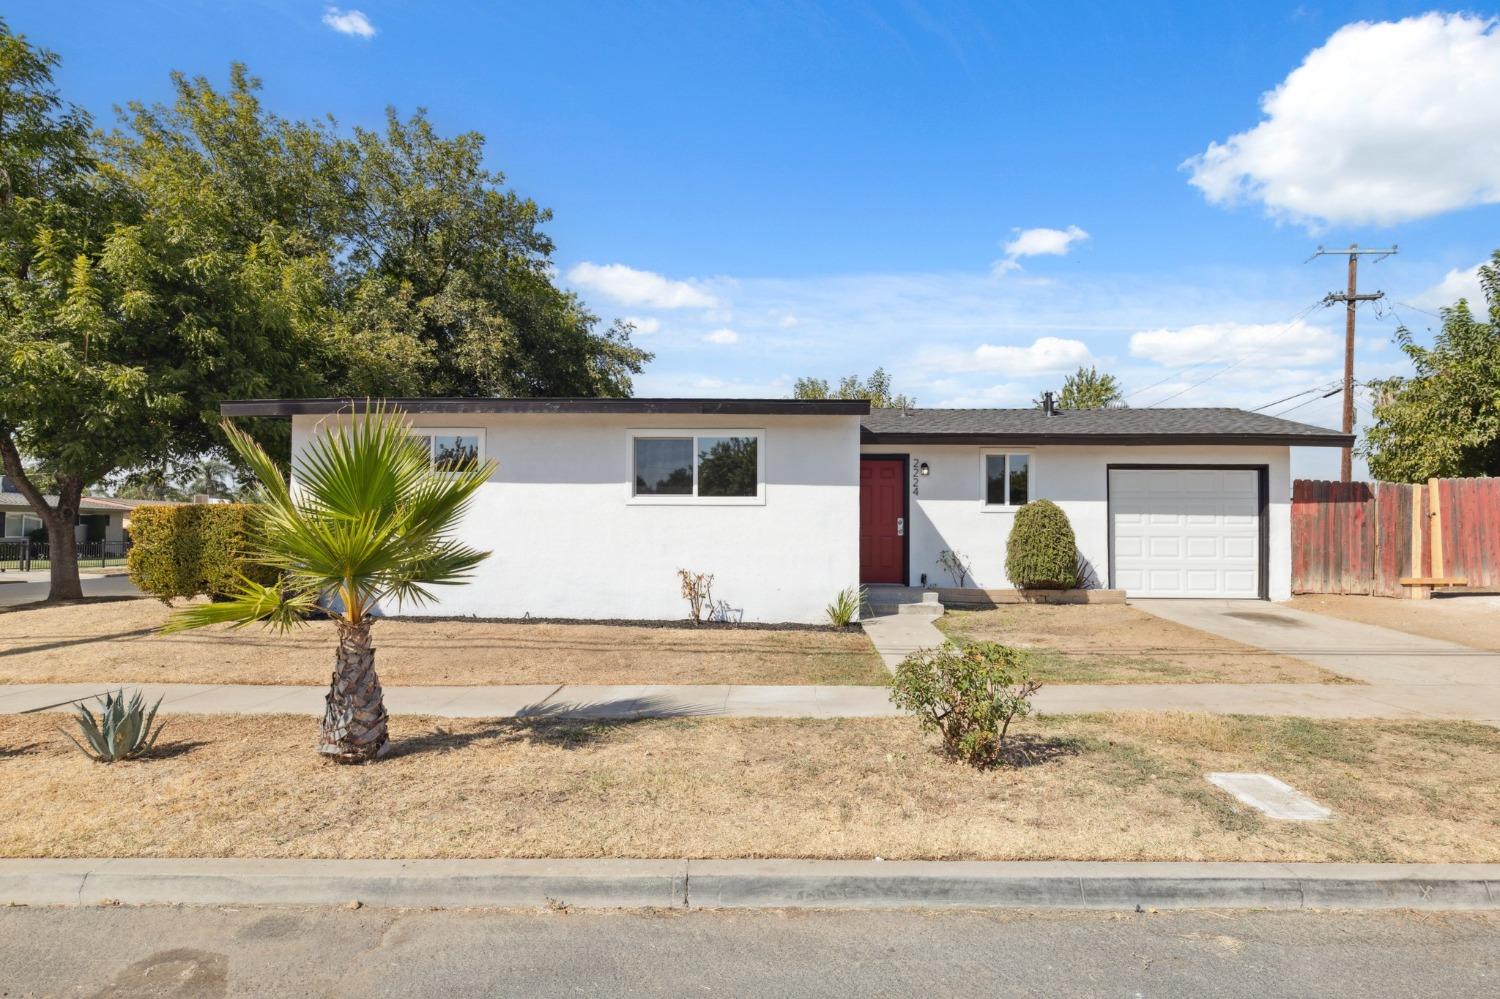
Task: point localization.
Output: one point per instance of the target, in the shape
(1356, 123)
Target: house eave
(554, 406)
(1125, 440)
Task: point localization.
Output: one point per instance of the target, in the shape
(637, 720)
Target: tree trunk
(62, 551)
(354, 722)
(61, 521)
(62, 541)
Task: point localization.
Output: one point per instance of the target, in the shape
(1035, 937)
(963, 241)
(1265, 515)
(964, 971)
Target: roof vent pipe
(1048, 406)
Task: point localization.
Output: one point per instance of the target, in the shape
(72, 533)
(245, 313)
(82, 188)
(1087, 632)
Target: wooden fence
(1367, 537)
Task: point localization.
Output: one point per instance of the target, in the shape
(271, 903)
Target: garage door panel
(1164, 547)
(1203, 547)
(1242, 548)
(1186, 532)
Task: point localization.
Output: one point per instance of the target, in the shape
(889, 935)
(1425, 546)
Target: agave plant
(369, 521)
(124, 729)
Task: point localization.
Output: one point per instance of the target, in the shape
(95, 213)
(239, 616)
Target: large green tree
(1444, 420)
(877, 389)
(124, 317)
(1087, 388)
(208, 249)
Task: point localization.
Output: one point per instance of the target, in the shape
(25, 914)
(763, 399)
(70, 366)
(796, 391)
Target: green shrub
(189, 550)
(845, 606)
(968, 694)
(124, 729)
(1042, 553)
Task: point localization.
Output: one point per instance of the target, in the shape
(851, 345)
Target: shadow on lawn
(564, 725)
(1034, 750)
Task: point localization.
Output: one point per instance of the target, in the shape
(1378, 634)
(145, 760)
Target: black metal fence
(23, 555)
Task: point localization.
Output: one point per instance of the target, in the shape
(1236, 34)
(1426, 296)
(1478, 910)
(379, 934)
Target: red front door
(882, 520)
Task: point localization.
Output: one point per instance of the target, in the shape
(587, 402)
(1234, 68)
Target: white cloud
(785, 320)
(349, 22)
(1385, 122)
(629, 286)
(1041, 242)
(1045, 355)
(1255, 345)
(1457, 283)
(644, 324)
(725, 336)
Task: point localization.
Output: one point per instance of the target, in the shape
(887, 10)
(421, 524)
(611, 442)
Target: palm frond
(252, 602)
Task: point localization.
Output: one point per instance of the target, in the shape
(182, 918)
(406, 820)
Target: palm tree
(368, 520)
(207, 475)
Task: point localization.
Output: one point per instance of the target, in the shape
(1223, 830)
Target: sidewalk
(713, 884)
(1473, 702)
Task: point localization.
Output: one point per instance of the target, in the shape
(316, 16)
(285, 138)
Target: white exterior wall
(566, 540)
(946, 512)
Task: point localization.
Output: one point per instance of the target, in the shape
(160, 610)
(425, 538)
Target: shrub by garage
(192, 550)
(1042, 553)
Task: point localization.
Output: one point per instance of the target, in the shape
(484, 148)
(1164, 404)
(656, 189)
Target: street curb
(709, 884)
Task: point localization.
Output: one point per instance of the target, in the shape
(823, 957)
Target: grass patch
(1097, 787)
(118, 642)
(1116, 643)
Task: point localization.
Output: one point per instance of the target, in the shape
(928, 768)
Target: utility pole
(1350, 298)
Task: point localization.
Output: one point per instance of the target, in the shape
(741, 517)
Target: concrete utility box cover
(1276, 798)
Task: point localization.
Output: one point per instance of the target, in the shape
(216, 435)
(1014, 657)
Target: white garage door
(1186, 532)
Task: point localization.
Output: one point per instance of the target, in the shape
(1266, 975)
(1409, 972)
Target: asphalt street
(119, 951)
(32, 586)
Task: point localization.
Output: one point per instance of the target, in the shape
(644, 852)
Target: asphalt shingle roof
(1081, 426)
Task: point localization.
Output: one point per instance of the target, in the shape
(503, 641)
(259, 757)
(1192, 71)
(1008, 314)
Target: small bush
(956, 564)
(124, 729)
(190, 550)
(1042, 553)
(698, 591)
(845, 606)
(968, 694)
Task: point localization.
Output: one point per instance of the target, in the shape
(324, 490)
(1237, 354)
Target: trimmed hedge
(191, 549)
(1042, 553)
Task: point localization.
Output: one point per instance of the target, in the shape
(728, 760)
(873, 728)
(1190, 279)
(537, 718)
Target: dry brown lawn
(1098, 787)
(1472, 620)
(117, 642)
(1116, 643)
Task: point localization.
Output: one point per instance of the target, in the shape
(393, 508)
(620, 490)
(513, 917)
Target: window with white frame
(1005, 479)
(20, 525)
(707, 466)
(449, 447)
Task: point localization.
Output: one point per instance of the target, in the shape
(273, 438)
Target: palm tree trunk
(354, 722)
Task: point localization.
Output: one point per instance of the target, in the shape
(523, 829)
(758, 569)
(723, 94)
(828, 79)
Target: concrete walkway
(494, 701)
(896, 636)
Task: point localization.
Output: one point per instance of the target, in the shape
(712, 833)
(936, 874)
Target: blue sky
(976, 196)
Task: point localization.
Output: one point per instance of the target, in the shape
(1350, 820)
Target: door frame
(905, 460)
(1263, 512)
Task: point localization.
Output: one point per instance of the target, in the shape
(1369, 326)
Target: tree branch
(17, 474)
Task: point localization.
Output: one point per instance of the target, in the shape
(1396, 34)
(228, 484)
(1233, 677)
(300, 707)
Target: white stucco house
(596, 503)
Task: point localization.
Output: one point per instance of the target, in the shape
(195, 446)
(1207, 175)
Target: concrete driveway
(1434, 678)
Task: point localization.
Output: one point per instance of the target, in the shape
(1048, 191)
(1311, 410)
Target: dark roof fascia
(1292, 440)
(695, 407)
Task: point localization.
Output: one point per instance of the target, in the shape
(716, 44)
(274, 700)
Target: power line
(1309, 402)
(1242, 358)
(1316, 388)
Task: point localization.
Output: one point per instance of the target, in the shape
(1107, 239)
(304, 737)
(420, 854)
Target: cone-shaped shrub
(1042, 553)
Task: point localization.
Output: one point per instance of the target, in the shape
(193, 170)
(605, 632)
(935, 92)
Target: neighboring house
(596, 503)
(98, 519)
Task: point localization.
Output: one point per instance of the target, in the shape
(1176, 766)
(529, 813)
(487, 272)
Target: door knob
(900, 527)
